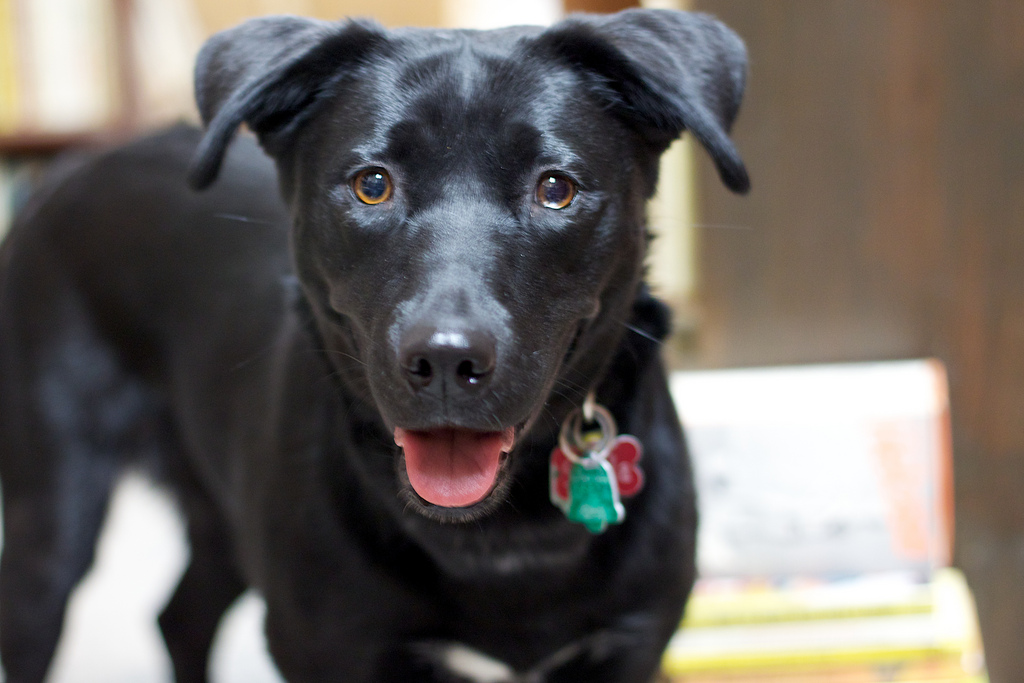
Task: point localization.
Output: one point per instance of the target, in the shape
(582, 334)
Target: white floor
(110, 634)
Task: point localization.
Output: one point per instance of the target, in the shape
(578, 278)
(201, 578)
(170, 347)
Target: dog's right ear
(269, 73)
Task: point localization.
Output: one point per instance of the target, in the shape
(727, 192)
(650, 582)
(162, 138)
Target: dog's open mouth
(452, 467)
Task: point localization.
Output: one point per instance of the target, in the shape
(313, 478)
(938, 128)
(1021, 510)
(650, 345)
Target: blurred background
(885, 141)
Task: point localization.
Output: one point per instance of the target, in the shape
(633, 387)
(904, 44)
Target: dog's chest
(469, 664)
(463, 661)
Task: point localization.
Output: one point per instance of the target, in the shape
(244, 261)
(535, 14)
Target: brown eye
(555, 191)
(372, 186)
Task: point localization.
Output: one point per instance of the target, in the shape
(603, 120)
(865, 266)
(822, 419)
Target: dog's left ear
(662, 72)
(269, 73)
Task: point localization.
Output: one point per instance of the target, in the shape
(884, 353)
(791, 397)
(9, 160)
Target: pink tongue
(453, 467)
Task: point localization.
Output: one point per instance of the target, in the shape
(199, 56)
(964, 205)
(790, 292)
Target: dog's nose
(461, 358)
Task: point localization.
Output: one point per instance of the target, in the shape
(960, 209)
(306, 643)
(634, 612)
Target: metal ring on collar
(570, 438)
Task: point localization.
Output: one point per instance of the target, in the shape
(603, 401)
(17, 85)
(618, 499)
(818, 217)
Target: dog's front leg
(627, 653)
(326, 635)
(607, 656)
(356, 661)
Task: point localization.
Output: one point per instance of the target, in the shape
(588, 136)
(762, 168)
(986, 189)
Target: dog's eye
(372, 186)
(555, 191)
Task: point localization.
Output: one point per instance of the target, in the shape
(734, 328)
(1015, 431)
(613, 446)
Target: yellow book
(859, 630)
(9, 87)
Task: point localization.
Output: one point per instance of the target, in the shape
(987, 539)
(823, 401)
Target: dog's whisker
(556, 392)
(576, 372)
(360, 361)
(265, 351)
(241, 219)
(637, 330)
(262, 353)
(579, 391)
(337, 373)
(546, 412)
(565, 381)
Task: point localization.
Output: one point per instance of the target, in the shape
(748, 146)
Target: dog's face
(463, 210)
(468, 208)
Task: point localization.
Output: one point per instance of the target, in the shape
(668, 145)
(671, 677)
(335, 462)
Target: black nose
(435, 357)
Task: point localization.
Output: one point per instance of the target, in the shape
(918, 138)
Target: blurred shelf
(41, 143)
(122, 122)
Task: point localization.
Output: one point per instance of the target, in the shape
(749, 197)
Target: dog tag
(591, 472)
(594, 496)
(624, 455)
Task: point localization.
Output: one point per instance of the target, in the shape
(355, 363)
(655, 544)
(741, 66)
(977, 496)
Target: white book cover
(167, 35)
(820, 470)
(69, 56)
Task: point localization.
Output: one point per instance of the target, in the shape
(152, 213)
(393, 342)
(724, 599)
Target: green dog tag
(593, 495)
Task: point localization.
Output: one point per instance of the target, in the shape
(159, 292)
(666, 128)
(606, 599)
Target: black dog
(459, 266)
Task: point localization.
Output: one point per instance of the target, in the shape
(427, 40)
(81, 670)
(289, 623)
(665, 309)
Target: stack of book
(861, 629)
(826, 528)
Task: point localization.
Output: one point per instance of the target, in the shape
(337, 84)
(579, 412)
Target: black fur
(250, 355)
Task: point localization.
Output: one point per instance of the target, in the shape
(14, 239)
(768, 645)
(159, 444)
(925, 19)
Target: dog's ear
(663, 72)
(268, 73)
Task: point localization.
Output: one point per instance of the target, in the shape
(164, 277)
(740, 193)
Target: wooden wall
(885, 141)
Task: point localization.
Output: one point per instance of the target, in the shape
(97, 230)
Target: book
(890, 626)
(67, 51)
(825, 496)
(820, 470)
(9, 81)
(166, 36)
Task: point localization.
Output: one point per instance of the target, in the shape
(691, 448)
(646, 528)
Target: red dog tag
(624, 455)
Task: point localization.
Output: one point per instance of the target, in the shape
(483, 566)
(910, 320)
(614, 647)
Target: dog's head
(469, 206)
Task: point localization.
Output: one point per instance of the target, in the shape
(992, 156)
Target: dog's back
(103, 262)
